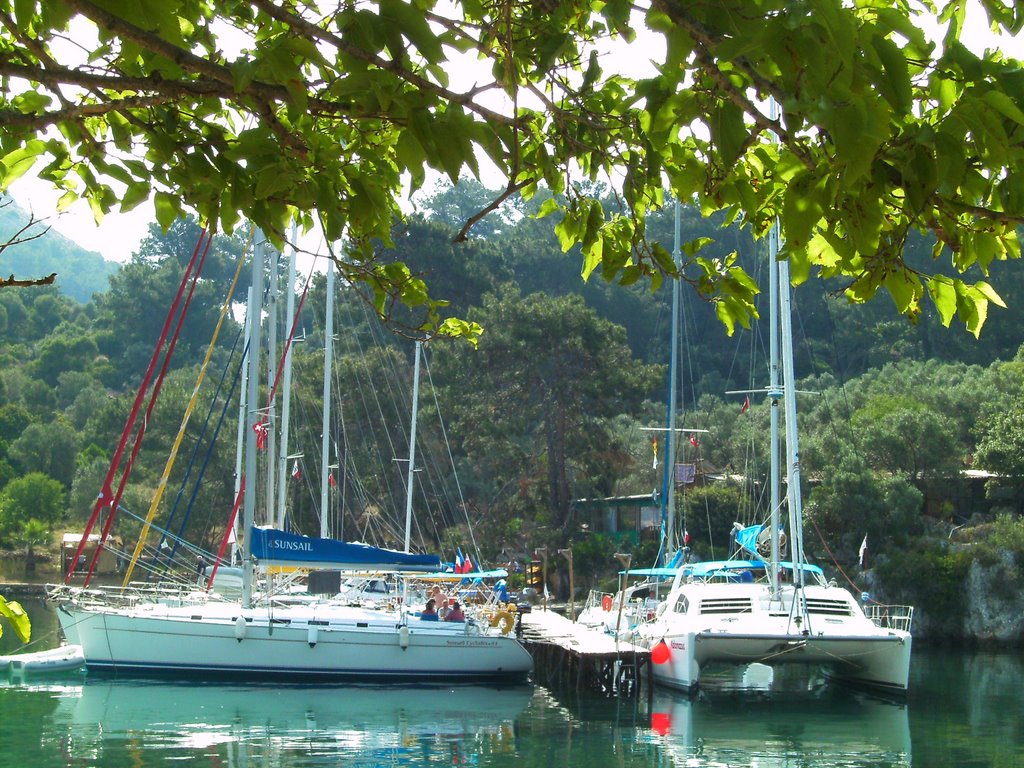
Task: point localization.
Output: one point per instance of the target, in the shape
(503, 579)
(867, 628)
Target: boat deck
(567, 654)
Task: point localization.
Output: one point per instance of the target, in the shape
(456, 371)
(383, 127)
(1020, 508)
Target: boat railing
(170, 593)
(598, 599)
(897, 617)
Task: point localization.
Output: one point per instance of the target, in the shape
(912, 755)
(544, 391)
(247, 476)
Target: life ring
(606, 602)
(504, 621)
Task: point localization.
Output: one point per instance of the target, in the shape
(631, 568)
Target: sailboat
(760, 608)
(314, 639)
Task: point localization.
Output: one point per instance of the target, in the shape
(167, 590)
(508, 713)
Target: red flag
(654, 447)
(693, 441)
(295, 470)
(260, 428)
(746, 405)
(468, 565)
(331, 481)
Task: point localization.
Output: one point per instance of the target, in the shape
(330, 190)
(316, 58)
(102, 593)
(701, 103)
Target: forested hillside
(549, 409)
(80, 273)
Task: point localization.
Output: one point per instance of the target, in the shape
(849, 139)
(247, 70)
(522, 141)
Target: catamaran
(760, 608)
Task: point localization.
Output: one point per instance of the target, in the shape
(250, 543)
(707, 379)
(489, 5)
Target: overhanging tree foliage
(270, 110)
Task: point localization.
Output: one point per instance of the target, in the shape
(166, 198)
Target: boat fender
(661, 653)
(472, 628)
(606, 603)
(240, 627)
(504, 621)
(403, 636)
(311, 635)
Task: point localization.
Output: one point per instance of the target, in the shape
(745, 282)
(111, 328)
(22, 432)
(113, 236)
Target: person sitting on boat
(430, 612)
(455, 613)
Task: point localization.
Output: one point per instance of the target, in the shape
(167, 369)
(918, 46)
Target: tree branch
(315, 32)
(13, 282)
(509, 190)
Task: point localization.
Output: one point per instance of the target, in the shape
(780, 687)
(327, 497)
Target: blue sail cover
(274, 547)
(747, 538)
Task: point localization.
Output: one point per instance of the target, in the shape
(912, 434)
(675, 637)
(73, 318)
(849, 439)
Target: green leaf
(14, 613)
(592, 257)
(546, 208)
(896, 86)
(943, 294)
(802, 209)
(567, 229)
(166, 208)
(905, 291)
(413, 25)
(133, 195)
(989, 293)
(31, 102)
(17, 163)
(1003, 104)
(728, 131)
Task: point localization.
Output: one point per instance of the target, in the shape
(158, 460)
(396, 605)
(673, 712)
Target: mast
(774, 390)
(792, 446)
(286, 398)
(412, 447)
(253, 414)
(268, 514)
(325, 427)
(668, 512)
(775, 394)
(237, 533)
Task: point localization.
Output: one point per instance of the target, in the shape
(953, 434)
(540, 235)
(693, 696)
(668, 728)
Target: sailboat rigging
(311, 637)
(759, 608)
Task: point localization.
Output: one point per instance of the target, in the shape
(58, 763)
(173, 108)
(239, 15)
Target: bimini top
(718, 568)
(274, 547)
(731, 568)
(494, 573)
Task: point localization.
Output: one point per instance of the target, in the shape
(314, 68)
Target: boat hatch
(716, 605)
(829, 607)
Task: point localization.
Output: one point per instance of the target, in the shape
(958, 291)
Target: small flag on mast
(260, 428)
(693, 441)
(295, 470)
(654, 447)
(862, 556)
(746, 405)
(331, 481)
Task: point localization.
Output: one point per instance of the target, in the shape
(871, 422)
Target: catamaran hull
(877, 661)
(276, 647)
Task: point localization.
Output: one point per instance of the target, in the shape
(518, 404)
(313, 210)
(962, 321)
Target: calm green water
(964, 711)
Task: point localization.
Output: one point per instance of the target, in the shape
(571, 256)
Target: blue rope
(178, 535)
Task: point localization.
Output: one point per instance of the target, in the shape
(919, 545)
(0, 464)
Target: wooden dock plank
(568, 653)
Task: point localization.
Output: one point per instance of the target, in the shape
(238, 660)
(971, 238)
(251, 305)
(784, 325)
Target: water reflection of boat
(743, 728)
(260, 720)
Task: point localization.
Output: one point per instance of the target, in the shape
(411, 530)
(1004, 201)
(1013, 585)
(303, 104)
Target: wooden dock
(569, 655)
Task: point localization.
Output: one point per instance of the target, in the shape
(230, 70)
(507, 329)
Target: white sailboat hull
(298, 643)
(739, 624)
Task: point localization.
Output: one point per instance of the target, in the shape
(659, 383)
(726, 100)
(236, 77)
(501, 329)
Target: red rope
(154, 396)
(834, 561)
(227, 534)
(103, 500)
